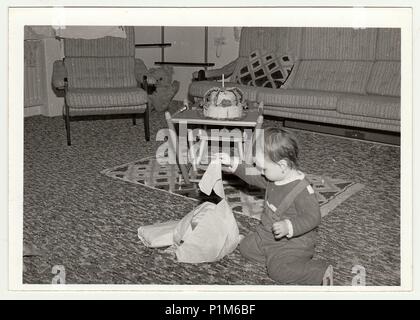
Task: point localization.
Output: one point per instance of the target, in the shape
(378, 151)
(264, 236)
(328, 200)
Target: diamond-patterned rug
(243, 198)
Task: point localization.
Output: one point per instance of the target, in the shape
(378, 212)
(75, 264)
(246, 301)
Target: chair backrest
(102, 47)
(107, 62)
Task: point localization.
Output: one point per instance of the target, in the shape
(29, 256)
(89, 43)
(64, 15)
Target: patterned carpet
(87, 222)
(242, 198)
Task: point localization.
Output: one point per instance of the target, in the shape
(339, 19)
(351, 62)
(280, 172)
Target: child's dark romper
(288, 260)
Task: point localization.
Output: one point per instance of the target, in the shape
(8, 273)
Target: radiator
(34, 74)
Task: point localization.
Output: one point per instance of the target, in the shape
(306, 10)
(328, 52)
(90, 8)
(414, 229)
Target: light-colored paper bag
(206, 234)
(158, 235)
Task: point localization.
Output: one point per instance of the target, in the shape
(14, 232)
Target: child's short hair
(281, 144)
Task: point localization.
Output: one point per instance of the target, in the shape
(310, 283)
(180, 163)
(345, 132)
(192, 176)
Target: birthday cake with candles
(223, 103)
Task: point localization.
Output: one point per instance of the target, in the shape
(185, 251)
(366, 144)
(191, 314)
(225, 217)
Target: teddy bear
(165, 88)
(160, 87)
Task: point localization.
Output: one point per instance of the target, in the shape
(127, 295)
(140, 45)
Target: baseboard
(348, 132)
(32, 111)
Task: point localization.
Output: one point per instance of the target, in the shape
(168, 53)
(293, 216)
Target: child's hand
(227, 161)
(224, 158)
(280, 229)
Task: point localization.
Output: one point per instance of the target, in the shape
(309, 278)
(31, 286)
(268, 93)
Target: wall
(35, 90)
(51, 105)
(53, 52)
(223, 54)
(187, 46)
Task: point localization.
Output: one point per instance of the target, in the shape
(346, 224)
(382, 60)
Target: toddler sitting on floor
(285, 239)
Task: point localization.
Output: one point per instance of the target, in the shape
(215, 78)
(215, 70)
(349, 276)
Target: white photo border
(274, 16)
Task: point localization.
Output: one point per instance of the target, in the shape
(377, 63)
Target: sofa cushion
(88, 72)
(271, 39)
(298, 98)
(385, 78)
(199, 88)
(264, 69)
(388, 45)
(370, 106)
(105, 97)
(335, 76)
(338, 44)
(106, 110)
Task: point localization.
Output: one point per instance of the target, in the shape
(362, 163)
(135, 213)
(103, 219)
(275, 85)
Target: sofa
(337, 76)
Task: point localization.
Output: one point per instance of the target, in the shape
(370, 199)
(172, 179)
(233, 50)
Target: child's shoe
(328, 279)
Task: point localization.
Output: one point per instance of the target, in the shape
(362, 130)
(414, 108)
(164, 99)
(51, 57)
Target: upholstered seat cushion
(385, 78)
(334, 117)
(309, 99)
(74, 112)
(370, 106)
(332, 76)
(199, 88)
(96, 98)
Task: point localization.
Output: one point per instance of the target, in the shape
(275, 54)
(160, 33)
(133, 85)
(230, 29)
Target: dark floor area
(88, 222)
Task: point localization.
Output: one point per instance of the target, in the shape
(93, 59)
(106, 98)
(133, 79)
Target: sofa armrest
(216, 74)
(59, 75)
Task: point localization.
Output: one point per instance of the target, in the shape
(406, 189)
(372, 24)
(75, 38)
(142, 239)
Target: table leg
(203, 145)
(191, 150)
(172, 140)
(241, 150)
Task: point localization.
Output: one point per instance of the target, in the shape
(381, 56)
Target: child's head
(276, 153)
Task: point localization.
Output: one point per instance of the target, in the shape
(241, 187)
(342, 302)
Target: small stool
(203, 137)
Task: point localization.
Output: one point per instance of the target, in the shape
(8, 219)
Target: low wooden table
(194, 116)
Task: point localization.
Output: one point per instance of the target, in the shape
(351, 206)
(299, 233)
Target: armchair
(98, 78)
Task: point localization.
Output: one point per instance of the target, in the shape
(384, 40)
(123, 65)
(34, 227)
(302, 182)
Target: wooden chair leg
(134, 119)
(146, 123)
(68, 125)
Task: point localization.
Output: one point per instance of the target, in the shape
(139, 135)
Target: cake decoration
(223, 103)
